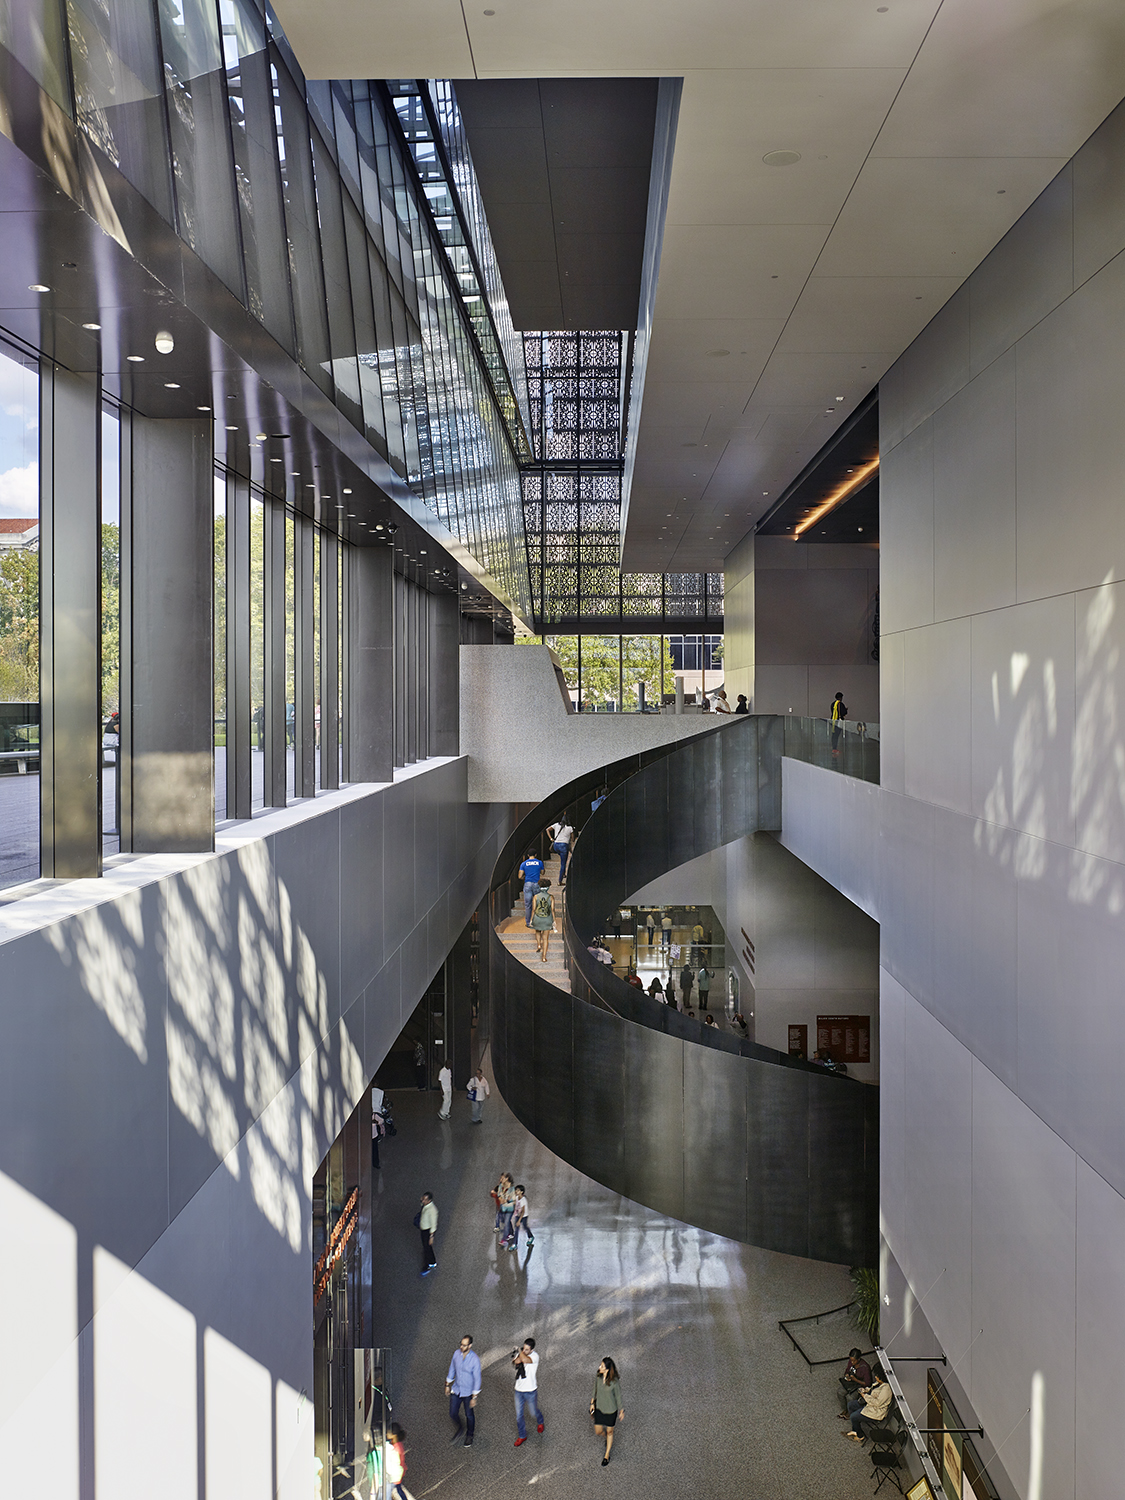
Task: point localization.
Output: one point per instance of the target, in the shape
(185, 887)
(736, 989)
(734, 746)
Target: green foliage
(19, 625)
(611, 666)
(111, 619)
(866, 1311)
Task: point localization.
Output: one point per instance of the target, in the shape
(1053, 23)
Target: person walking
(526, 1362)
(394, 1461)
(837, 714)
(462, 1386)
(605, 1404)
(505, 1207)
(445, 1078)
(378, 1129)
(687, 979)
(665, 931)
(650, 925)
(419, 1066)
(520, 1219)
(530, 871)
(696, 942)
(427, 1226)
(703, 979)
(543, 917)
(478, 1092)
(561, 835)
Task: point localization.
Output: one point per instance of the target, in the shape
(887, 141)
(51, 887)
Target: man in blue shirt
(462, 1386)
(530, 871)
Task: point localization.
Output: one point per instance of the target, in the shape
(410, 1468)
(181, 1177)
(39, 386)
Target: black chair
(885, 1465)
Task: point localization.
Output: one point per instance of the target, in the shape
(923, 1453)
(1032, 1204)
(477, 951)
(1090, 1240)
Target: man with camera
(526, 1362)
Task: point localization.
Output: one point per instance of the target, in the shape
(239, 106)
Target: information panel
(845, 1039)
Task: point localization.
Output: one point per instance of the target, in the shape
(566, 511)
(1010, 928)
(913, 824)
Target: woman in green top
(605, 1404)
(543, 916)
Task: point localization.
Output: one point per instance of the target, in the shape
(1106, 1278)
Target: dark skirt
(604, 1418)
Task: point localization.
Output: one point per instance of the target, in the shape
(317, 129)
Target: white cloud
(19, 396)
(19, 491)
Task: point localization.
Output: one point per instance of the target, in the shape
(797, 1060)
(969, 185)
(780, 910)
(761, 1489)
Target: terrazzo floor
(717, 1403)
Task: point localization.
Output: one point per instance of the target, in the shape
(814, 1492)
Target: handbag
(418, 1219)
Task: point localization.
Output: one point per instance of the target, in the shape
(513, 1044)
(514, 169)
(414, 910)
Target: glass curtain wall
(111, 632)
(305, 200)
(19, 618)
(604, 672)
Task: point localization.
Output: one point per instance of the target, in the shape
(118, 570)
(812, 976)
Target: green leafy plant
(865, 1313)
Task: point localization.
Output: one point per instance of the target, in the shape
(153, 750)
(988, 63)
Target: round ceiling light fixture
(135, 359)
(164, 342)
(92, 327)
(38, 286)
(781, 158)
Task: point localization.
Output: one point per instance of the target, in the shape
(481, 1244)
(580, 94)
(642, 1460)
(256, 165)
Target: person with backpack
(837, 715)
(543, 917)
(529, 874)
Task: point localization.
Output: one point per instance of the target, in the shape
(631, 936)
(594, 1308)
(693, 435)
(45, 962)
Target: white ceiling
(925, 130)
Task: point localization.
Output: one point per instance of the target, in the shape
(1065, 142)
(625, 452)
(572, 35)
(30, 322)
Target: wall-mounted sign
(845, 1039)
(799, 1041)
(920, 1491)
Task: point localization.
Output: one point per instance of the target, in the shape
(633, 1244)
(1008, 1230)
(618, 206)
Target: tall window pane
(119, 91)
(257, 650)
(33, 31)
(19, 622)
(220, 645)
(111, 633)
(290, 658)
(201, 143)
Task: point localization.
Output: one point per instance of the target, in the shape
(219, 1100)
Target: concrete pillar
(329, 660)
(371, 664)
(738, 621)
(304, 696)
(274, 757)
(444, 675)
(168, 555)
(238, 648)
(69, 623)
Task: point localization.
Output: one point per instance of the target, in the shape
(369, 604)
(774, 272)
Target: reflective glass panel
(111, 632)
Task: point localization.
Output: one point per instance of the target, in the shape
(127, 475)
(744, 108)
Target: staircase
(520, 939)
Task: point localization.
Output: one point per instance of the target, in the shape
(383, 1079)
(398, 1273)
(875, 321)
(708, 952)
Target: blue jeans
(528, 1399)
(563, 852)
(455, 1404)
(528, 896)
(506, 1224)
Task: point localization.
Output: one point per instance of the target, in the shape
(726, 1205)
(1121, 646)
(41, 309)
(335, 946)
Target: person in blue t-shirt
(530, 871)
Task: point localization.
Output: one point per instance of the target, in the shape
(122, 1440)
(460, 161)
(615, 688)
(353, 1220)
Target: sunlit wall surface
(19, 620)
(304, 199)
(572, 493)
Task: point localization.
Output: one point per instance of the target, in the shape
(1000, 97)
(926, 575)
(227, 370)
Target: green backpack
(542, 905)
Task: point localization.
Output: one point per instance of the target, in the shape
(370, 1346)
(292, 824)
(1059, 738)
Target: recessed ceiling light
(310, 486)
(839, 398)
(351, 515)
(296, 473)
(232, 429)
(378, 525)
(135, 359)
(277, 460)
(164, 342)
(422, 551)
(781, 158)
(347, 492)
(171, 385)
(92, 327)
(203, 408)
(259, 437)
(37, 286)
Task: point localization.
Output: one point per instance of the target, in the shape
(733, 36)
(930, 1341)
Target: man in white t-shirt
(526, 1362)
(445, 1078)
(561, 835)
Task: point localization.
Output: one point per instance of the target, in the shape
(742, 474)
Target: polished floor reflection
(716, 1401)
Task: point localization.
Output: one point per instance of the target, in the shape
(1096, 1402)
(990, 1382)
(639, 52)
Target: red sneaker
(540, 1427)
(519, 1442)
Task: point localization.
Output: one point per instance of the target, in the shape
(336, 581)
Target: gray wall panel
(655, 1106)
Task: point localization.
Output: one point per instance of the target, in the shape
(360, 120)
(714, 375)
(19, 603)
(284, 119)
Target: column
(238, 648)
(371, 664)
(399, 693)
(422, 676)
(329, 660)
(274, 758)
(409, 693)
(304, 697)
(444, 685)
(167, 553)
(69, 623)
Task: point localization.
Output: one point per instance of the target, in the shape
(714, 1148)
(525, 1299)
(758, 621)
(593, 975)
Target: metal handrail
(784, 1323)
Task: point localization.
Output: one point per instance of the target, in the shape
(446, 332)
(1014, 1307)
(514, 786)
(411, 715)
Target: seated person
(871, 1406)
(856, 1376)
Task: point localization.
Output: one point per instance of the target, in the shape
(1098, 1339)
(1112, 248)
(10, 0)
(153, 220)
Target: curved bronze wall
(730, 1136)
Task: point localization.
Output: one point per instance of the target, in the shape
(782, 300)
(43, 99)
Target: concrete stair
(520, 939)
